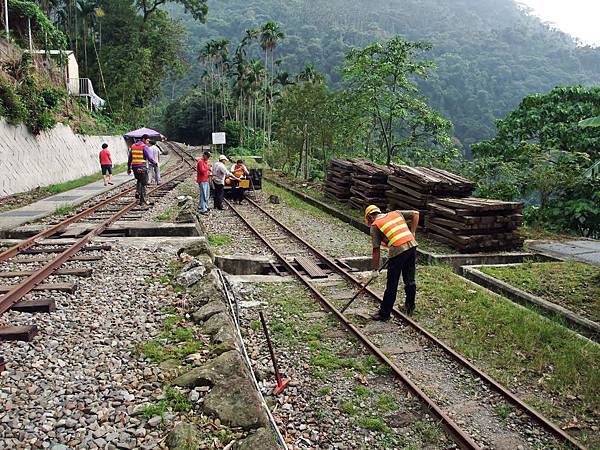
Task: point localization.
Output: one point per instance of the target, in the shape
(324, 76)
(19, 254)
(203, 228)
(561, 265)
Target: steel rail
(27, 285)
(29, 242)
(463, 440)
(505, 392)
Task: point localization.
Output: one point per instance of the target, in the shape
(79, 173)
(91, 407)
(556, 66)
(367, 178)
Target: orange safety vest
(137, 155)
(395, 229)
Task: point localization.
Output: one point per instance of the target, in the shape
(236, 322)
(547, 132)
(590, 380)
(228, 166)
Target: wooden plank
(60, 287)
(309, 266)
(26, 273)
(89, 248)
(44, 305)
(479, 204)
(20, 333)
(2, 364)
(35, 259)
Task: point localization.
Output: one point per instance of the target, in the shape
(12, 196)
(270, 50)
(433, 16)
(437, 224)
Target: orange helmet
(370, 210)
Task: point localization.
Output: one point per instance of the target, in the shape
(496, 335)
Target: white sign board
(218, 138)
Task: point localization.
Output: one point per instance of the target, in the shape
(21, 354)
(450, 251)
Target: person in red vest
(106, 164)
(391, 231)
(139, 157)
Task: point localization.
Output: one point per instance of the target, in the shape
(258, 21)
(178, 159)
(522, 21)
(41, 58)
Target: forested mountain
(489, 53)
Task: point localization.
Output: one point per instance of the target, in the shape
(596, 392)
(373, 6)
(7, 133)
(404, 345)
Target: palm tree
(310, 75)
(270, 36)
(87, 9)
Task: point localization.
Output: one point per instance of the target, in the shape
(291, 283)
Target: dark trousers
(218, 200)
(404, 264)
(141, 175)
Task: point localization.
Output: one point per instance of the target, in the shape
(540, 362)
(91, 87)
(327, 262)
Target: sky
(579, 18)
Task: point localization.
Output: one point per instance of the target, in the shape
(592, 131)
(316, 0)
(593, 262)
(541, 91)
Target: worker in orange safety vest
(392, 231)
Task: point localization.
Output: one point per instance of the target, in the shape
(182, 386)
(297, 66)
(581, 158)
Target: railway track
(28, 264)
(458, 394)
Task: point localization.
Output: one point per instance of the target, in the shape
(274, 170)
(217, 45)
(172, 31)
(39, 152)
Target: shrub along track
(105, 212)
(469, 404)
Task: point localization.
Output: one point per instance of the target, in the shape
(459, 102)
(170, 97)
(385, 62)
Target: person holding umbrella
(139, 156)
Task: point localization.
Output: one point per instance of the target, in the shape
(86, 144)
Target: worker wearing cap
(392, 231)
(220, 172)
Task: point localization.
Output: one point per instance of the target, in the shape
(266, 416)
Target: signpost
(219, 139)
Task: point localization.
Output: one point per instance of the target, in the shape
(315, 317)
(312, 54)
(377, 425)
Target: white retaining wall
(55, 156)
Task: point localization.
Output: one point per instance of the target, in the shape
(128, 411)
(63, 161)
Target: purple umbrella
(152, 134)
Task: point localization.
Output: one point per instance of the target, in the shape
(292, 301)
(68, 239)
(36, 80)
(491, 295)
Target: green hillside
(490, 54)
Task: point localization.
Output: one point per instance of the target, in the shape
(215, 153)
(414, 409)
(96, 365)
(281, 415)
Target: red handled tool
(281, 383)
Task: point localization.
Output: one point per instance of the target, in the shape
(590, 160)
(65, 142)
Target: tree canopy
(490, 53)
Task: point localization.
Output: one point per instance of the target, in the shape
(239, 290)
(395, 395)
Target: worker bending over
(391, 230)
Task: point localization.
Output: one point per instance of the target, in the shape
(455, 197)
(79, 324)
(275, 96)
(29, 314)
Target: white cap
(223, 157)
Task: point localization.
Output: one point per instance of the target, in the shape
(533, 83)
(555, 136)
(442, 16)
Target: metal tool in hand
(362, 289)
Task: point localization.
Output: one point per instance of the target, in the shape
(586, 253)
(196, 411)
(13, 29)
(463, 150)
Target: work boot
(380, 318)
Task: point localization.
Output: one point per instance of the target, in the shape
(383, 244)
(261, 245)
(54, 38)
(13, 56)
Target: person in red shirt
(106, 165)
(202, 175)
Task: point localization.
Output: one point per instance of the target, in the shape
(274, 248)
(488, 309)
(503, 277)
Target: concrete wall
(55, 156)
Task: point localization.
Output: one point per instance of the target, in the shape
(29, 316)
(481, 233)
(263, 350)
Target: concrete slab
(584, 250)
(47, 206)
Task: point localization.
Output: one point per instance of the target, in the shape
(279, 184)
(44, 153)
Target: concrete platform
(47, 206)
(74, 197)
(583, 250)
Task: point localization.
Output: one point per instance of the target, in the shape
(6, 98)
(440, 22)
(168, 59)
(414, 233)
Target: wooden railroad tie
(60, 287)
(43, 305)
(26, 273)
(18, 333)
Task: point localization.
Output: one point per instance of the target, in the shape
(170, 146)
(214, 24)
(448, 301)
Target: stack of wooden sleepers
(415, 187)
(369, 184)
(339, 180)
(475, 224)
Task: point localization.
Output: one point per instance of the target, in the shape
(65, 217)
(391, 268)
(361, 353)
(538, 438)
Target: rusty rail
(495, 385)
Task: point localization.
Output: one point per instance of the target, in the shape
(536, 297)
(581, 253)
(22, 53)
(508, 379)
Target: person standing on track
(391, 230)
(202, 175)
(154, 169)
(139, 156)
(106, 165)
(220, 172)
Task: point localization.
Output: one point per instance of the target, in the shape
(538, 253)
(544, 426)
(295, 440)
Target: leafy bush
(578, 209)
(41, 104)
(11, 105)
(43, 29)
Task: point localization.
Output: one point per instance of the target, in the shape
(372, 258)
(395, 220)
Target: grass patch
(68, 185)
(219, 239)
(386, 403)
(503, 410)
(175, 342)
(168, 215)
(428, 432)
(574, 285)
(348, 408)
(515, 345)
(64, 210)
(373, 423)
(361, 391)
(174, 400)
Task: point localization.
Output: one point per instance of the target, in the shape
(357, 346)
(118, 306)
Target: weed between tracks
(551, 367)
(350, 390)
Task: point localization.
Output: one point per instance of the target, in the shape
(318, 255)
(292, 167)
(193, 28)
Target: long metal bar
(28, 284)
(463, 440)
(533, 413)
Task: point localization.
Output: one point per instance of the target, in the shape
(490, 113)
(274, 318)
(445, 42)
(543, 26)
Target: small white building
(81, 87)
